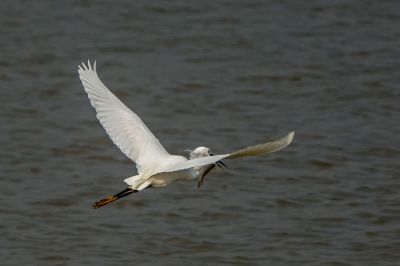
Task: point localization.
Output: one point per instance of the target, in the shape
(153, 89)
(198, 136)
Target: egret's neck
(199, 152)
(197, 172)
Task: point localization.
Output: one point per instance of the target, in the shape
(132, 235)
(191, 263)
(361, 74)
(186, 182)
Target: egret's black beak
(221, 164)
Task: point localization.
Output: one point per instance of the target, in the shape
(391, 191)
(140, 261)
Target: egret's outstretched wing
(256, 150)
(123, 126)
(194, 163)
(262, 149)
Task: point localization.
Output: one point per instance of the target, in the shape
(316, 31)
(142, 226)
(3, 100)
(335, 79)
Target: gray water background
(223, 74)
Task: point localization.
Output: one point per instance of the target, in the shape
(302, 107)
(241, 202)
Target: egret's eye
(210, 153)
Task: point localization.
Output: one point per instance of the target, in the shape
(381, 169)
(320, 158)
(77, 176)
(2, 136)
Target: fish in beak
(220, 164)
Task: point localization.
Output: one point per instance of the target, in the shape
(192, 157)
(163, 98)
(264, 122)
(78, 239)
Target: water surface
(222, 74)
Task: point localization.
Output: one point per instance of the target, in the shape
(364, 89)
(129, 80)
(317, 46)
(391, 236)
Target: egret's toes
(105, 201)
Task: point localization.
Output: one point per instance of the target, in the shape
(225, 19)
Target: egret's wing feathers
(123, 126)
(256, 150)
(194, 163)
(262, 149)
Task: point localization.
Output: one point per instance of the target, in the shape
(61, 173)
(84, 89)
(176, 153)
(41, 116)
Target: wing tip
(290, 137)
(89, 67)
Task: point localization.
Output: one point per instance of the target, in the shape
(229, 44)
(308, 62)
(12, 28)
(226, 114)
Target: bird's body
(159, 177)
(156, 167)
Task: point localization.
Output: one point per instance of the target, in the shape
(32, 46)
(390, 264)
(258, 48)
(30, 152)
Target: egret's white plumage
(156, 167)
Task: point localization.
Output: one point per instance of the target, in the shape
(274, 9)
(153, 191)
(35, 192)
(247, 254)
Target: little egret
(155, 166)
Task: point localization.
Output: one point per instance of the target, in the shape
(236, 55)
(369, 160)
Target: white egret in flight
(155, 166)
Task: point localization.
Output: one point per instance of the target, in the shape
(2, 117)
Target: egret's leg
(123, 193)
(105, 201)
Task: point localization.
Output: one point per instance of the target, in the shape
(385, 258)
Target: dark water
(224, 74)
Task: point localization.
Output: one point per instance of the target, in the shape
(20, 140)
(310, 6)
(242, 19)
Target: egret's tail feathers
(134, 181)
(108, 200)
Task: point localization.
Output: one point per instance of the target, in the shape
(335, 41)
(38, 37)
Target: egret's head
(200, 152)
(205, 169)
